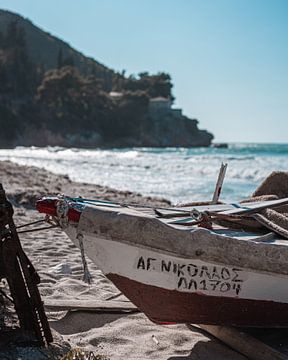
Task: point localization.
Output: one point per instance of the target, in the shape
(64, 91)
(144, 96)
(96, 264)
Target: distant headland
(51, 94)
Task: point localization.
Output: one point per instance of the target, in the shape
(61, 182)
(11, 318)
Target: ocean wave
(177, 174)
(240, 158)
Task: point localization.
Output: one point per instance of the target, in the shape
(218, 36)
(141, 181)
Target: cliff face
(51, 94)
(167, 130)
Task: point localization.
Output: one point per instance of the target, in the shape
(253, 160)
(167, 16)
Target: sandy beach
(58, 261)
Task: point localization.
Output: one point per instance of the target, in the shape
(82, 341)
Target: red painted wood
(46, 207)
(171, 306)
(49, 206)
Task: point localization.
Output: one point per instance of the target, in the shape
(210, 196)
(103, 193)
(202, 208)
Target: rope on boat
(38, 229)
(63, 221)
(53, 224)
(31, 223)
(87, 278)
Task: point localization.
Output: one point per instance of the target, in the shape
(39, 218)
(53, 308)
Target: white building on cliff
(162, 106)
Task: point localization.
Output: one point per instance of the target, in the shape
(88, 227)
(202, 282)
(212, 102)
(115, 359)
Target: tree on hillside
(18, 75)
(59, 59)
(15, 35)
(128, 117)
(9, 126)
(73, 103)
(153, 85)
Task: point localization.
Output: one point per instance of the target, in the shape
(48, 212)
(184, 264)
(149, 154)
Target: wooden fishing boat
(177, 266)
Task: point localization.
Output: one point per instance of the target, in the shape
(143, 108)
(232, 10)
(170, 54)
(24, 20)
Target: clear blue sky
(228, 58)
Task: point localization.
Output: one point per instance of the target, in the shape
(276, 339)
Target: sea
(177, 174)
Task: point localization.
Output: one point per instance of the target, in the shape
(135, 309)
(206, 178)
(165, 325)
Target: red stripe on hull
(171, 306)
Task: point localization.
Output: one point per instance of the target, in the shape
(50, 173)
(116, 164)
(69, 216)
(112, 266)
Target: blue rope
(79, 199)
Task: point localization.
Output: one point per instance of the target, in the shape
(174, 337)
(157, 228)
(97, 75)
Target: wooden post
(219, 183)
(21, 276)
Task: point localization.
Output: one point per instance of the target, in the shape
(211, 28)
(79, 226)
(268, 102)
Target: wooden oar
(239, 209)
(180, 212)
(250, 208)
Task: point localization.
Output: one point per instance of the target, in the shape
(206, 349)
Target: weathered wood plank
(254, 207)
(235, 209)
(89, 305)
(226, 209)
(242, 342)
(185, 211)
(219, 183)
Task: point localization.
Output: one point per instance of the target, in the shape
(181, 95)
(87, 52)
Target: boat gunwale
(198, 243)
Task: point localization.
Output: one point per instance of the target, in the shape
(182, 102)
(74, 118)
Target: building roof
(160, 99)
(115, 94)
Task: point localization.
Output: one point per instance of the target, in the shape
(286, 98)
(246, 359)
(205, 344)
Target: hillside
(51, 94)
(47, 50)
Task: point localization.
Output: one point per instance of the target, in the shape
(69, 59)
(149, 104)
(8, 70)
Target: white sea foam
(177, 174)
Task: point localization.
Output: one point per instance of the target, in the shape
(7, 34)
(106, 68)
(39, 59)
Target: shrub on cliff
(153, 85)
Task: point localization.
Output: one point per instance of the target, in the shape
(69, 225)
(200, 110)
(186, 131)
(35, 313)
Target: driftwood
(244, 343)
(21, 276)
(94, 305)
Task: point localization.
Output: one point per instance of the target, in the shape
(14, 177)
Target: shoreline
(40, 182)
(179, 175)
(58, 262)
